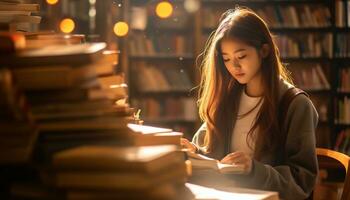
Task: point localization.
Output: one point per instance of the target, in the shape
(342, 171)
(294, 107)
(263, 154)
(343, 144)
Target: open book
(203, 162)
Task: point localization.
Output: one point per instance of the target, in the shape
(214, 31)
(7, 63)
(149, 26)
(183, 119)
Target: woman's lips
(239, 74)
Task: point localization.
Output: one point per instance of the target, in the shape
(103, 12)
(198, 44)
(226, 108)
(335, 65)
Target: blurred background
(160, 43)
(157, 47)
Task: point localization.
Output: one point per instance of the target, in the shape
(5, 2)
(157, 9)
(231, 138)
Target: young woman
(243, 81)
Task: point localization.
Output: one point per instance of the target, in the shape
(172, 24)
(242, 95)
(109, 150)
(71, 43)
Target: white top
(244, 124)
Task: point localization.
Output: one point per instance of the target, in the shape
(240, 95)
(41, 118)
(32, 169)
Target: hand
(239, 158)
(188, 145)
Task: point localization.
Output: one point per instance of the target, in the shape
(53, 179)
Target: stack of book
(78, 99)
(16, 15)
(18, 130)
(110, 172)
(45, 38)
(72, 89)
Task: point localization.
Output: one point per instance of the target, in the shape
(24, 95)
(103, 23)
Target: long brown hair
(219, 92)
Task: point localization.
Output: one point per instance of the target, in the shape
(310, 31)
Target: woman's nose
(236, 64)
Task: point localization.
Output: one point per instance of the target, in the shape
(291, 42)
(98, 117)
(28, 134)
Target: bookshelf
(313, 37)
(95, 19)
(158, 55)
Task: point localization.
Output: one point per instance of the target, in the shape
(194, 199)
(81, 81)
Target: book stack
(16, 15)
(110, 172)
(72, 89)
(78, 99)
(44, 38)
(18, 130)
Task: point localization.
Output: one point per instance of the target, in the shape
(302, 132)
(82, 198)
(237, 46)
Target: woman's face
(241, 60)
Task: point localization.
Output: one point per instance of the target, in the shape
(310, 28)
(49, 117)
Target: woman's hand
(188, 145)
(239, 158)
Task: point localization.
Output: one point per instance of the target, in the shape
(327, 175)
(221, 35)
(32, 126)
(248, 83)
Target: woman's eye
(226, 60)
(241, 57)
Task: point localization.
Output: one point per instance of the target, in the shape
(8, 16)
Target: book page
(201, 161)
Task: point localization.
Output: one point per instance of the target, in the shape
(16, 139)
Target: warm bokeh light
(192, 5)
(121, 29)
(67, 25)
(51, 2)
(164, 9)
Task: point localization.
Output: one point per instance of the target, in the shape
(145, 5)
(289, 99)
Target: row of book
(342, 143)
(152, 78)
(342, 17)
(342, 111)
(310, 77)
(342, 45)
(168, 109)
(344, 80)
(305, 45)
(18, 17)
(280, 16)
(142, 45)
(299, 16)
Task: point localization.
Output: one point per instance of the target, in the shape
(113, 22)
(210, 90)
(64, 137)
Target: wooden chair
(328, 159)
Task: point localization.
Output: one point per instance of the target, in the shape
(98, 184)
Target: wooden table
(202, 192)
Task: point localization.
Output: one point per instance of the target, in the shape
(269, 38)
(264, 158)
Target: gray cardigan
(294, 177)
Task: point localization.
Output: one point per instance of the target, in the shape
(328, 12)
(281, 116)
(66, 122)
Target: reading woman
(242, 84)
